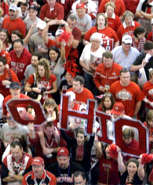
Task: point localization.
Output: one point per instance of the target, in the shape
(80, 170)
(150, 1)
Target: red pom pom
(65, 36)
(113, 151)
(146, 158)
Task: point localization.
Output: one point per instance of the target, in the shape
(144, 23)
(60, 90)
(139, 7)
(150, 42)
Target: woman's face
(150, 123)
(132, 168)
(128, 20)
(14, 37)
(101, 21)
(80, 139)
(3, 36)
(53, 55)
(95, 44)
(50, 108)
(107, 103)
(109, 11)
(41, 71)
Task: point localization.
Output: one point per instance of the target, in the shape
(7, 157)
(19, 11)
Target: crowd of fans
(85, 49)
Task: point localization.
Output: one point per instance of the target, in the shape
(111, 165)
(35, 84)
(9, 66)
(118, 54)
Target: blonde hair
(127, 13)
(109, 4)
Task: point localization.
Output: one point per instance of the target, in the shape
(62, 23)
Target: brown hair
(128, 133)
(45, 63)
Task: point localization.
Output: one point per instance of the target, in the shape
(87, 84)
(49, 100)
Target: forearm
(121, 165)
(134, 68)
(137, 108)
(141, 172)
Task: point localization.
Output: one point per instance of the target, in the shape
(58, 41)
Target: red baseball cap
(80, 5)
(118, 108)
(37, 161)
(63, 151)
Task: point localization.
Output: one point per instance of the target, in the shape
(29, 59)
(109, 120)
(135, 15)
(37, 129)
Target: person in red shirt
(113, 20)
(109, 167)
(20, 58)
(6, 77)
(12, 22)
(38, 175)
(128, 26)
(107, 72)
(109, 36)
(52, 10)
(4, 7)
(128, 92)
(15, 164)
(15, 92)
(45, 81)
(119, 6)
(82, 94)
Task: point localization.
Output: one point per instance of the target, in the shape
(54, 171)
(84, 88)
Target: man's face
(126, 47)
(63, 161)
(125, 78)
(38, 170)
(79, 180)
(32, 13)
(77, 87)
(109, 11)
(34, 61)
(81, 12)
(108, 62)
(15, 93)
(18, 48)
(2, 67)
(72, 23)
(17, 153)
(12, 14)
(51, 3)
(12, 124)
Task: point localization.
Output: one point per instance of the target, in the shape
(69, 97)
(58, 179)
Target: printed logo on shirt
(124, 95)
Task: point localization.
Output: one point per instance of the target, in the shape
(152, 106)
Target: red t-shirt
(109, 36)
(83, 96)
(128, 30)
(128, 95)
(108, 171)
(7, 98)
(19, 64)
(114, 23)
(57, 13)
(5, 8)
(131, 5)
(148, 92)
(106, 76)
(150, 36)
(16, 24)
(8, 75)
(43, 83)
(119, 7)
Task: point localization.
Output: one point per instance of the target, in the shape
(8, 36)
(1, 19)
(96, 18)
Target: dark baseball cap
(15, 85)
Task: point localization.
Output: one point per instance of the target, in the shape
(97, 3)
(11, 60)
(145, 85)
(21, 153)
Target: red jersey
(7, 98)
(83, 96)
(17, 167)
(108, 171)
(16, 24)
(119, 7)
(106, 76)
(47, 178)
(148, 92)
(56, 13)
(7, 75)
(128, 30)
(108, 35)
(128, 95)
(19, 64)
(114, 22)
